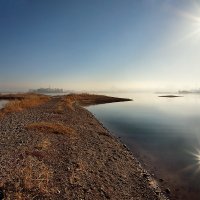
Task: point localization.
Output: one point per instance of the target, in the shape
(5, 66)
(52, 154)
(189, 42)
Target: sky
(100, 45)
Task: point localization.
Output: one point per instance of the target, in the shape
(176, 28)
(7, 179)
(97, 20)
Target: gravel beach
(53, 151)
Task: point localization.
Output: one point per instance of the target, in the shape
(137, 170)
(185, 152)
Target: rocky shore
(58, 150)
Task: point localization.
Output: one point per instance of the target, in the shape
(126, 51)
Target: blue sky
(100, 44)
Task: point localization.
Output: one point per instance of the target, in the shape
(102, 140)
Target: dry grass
(49, 127)
(44, 144)
(28, 101)
(86, 99)
(66, 102)
(71, 99)
(31, 178)
(83, 99)
(36, 174)
(60, 107)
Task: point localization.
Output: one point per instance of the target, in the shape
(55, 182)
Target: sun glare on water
(197, 156)
(195, 167)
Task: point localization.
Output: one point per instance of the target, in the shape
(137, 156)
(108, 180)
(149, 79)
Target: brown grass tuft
(36, 174)
(57, 128)
(69, 101)
(60, 107)
(65, 102)
(31, 178)
(28, 101)
(44, 144)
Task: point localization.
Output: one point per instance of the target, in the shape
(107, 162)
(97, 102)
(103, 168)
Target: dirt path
(62, 152)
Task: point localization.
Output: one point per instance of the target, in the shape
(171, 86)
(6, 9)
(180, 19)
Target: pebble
(167, 190)
(1, 194)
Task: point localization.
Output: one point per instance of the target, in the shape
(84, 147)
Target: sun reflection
(197, 156)
(195, 168)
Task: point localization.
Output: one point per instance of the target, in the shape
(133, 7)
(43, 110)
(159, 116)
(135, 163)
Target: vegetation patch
(60, 106)
(69, 101)
(28, 101)
(32, 177)
(44, 144)
(50, 127)
(86, 99)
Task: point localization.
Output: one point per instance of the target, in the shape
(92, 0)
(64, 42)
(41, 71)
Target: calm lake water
(165, 132)
(2, 103)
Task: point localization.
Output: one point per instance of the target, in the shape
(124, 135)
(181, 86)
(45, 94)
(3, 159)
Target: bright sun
(194, 22)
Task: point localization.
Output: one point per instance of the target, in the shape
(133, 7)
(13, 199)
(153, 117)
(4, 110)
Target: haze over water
(165, 132)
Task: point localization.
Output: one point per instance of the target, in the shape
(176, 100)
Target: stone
(167, 190)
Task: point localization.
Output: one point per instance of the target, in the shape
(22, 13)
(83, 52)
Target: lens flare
(193, 22)
(195, 167)
(197, 156)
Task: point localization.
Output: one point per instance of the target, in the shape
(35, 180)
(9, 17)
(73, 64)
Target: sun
(193, 21)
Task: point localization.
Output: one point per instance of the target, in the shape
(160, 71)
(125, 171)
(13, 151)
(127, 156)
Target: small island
(170, 96)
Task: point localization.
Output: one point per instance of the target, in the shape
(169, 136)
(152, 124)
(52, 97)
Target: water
(2, 103)
(166, 133)
(55, 94)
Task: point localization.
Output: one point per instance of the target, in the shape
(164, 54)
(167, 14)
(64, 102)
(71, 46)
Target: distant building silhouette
(189, 91)
(47, 90)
